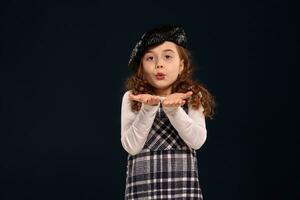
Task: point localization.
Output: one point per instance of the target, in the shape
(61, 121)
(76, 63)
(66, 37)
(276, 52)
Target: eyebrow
(149, 51)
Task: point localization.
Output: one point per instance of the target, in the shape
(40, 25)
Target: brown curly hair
(184, 83)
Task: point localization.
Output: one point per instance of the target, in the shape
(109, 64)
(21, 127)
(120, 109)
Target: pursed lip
(160, 76)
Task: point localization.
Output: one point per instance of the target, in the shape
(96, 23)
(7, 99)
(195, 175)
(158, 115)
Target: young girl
(163, 118)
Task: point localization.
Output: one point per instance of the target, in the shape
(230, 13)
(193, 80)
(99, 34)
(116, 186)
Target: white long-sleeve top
(135, 126)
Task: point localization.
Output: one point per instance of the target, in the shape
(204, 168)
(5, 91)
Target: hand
(176, 99)
(145, 98)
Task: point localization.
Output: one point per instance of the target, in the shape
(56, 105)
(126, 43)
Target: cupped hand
(145, 98)
(176, 99)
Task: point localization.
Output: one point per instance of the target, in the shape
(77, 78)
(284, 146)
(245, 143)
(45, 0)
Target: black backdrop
(63, 65)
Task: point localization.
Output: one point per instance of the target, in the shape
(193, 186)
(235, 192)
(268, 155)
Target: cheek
(147, 67)
(174, 69)
(147, 70)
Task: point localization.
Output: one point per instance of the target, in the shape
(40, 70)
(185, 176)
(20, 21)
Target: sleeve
(191, 127)
(135, 126)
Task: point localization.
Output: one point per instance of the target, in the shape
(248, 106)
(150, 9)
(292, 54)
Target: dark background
(63, 65)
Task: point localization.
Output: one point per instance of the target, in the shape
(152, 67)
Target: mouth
(160, 76)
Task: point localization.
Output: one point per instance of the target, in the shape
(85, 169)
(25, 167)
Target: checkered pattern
(162, 135)
(166, 168)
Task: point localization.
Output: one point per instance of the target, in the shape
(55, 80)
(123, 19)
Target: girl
(163, 118)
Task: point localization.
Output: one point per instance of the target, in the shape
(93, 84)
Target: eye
(149, 58)
(168, 57)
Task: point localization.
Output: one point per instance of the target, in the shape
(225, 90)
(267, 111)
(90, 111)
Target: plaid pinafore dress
(166, 168)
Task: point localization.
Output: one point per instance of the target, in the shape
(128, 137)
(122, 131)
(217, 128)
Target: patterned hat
(155, 36)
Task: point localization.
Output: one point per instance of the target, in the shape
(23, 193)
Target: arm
(135, 127)
(191, 127)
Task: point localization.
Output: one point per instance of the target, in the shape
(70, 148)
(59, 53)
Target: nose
(159, 66)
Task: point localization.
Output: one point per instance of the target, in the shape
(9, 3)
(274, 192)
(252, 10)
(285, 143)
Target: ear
(181, 67)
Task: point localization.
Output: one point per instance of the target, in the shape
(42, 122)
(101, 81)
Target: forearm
(134, 136)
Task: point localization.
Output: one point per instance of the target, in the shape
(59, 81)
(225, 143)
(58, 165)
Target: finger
(175, 103)
(130, 96)
(146, 100)
(171, 103)
(152, 99)
(187, 94)
(149, 98)
(134, 97)
(155, 100)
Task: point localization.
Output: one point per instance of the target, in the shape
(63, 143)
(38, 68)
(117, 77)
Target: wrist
(171, 109)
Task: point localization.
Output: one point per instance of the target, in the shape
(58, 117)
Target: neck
(163, 92)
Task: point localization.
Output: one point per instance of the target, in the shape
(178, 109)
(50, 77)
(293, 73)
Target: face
(161, 66)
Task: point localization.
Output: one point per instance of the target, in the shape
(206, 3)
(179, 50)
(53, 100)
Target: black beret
(156, 36)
